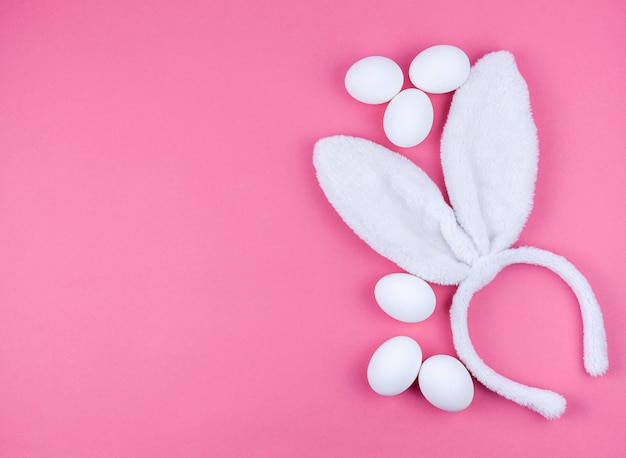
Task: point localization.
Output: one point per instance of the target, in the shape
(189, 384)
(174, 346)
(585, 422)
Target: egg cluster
(409, 115)
(396, 364)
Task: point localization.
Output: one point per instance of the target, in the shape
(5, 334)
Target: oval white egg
(408, 118)
(394, 366)
(405, 297)
(446, 383)
(374, 80)
(439, 69)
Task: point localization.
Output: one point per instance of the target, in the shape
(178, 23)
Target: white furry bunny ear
(489, 153)
(394, 207)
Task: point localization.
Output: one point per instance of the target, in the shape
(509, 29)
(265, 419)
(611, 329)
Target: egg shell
(408, 118)
(394, 366)
(374, 80)
(439, 69)
(405, 297)
(445, 383)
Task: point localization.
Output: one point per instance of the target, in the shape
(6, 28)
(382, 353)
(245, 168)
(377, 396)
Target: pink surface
(174, 284)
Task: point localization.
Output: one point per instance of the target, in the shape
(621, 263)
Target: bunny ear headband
(489, 155)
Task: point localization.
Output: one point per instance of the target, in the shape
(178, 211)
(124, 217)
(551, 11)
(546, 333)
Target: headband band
(547, 403)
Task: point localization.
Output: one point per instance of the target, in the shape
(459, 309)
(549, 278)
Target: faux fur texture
(489, 155)
(393, 206)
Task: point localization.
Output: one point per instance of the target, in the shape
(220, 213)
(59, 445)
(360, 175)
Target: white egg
(405, 297)
(408, 118)
(394, 366)
(439, 69)
(374, 80)
(446, 383)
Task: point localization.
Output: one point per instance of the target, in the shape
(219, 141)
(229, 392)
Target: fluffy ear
(489, 153)
(394, 207)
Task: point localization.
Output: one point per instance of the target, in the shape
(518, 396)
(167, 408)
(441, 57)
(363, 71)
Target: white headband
(489, 155)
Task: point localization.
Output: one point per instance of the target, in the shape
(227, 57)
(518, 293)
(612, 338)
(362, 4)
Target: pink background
(174, 284)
